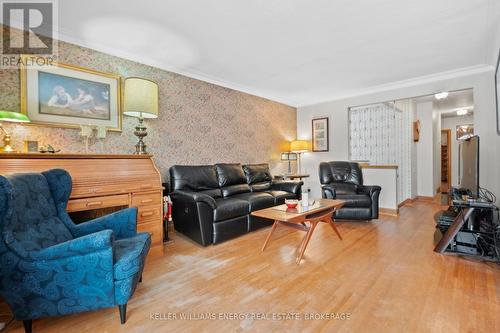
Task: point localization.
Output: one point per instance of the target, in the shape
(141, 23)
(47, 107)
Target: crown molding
(68, 38)
(421, 80)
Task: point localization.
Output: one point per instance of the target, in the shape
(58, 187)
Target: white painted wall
(482, 84)
(451, 123)
(414, 160)
(425, 150)
(387, 179)
(436, 149)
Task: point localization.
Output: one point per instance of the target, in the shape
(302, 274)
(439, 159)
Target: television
(468, 166)
(497, 92)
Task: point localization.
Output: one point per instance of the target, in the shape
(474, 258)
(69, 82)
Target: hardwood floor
(383, 275)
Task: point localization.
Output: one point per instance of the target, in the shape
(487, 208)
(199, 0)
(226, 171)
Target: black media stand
(471, 212)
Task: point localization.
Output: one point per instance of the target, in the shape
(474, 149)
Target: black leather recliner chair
(344, 181)
(212, 203)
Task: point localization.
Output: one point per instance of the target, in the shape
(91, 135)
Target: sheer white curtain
(375, 133)
(381, 134)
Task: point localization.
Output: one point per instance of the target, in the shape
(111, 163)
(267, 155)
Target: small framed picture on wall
(320, 134)
(30, 146)
(465, 131)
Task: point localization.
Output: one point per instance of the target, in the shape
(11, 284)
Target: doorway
(446, 164)
(422, 136)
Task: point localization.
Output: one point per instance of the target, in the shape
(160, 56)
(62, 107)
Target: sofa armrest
(374, 192)
(287, 186)
(123, 223)
(102, 240)
(193, 197)
(193, 215)
(369, 189)
(328, 191)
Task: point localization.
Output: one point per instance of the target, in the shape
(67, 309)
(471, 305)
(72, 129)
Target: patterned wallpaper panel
(199, 122)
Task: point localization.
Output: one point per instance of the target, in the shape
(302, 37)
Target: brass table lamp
(299, 147)
(12, 117)
(289, 156)
(140, 101)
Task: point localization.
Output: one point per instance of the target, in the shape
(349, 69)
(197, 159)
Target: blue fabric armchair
(52, 267)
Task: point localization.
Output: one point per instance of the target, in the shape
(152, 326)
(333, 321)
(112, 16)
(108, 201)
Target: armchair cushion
(231, 178)
(123, 223)
(76, 247)
(60, 185)
(129, 255)
(340, 171)
(328, 191)
(257, 173)
(355, 200)
(195, 178)
(256, 200)
(33, 224)
(230, 207)
(344, 188)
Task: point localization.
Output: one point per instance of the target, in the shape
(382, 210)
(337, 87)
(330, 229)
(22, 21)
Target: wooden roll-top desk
(103, 182)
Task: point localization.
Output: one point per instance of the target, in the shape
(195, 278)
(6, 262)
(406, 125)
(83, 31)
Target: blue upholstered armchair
(49, 265)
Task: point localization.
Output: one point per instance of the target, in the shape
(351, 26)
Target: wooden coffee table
(321, 211)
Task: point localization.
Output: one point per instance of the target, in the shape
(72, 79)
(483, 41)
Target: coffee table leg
(275, 224)
(303, 240)
(306, 241)
(332, 224)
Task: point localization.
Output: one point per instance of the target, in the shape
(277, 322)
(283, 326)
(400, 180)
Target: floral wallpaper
(198, 123)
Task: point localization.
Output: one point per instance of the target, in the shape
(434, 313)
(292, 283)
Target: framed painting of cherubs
(68, 96)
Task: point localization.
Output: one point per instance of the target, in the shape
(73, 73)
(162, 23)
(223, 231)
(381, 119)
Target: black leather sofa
(344, 181)
(212, 203)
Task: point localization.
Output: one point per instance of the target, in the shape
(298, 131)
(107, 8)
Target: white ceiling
(448, 107)
(294, 51)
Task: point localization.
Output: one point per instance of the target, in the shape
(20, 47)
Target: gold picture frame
(108, 83)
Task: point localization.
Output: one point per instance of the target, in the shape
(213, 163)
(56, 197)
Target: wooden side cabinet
(103, 182)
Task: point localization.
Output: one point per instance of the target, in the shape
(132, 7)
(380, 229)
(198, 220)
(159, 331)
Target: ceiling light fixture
(441, 95)
(462, 112)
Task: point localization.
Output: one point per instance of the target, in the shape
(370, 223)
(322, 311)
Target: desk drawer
(105, 187)
(150, 198)
(77, 205)
(149, 213)
(155, 229)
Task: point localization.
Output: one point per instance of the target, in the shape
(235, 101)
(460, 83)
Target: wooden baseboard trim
(425, 198)
(408, 201)
(156, 251)
(388, 211)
